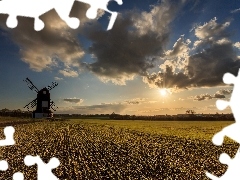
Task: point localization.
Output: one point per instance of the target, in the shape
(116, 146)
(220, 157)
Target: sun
(163, 91)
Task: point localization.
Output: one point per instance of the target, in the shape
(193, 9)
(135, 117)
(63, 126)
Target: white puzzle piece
(232, 131)
(44, 171)
(8, 132)
(36, 8)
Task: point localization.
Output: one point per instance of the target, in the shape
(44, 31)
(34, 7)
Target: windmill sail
(32, 104)
(54, 84)
(31, 85)
(53, 106)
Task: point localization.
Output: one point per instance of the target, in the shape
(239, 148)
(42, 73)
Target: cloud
(104, 108)
(224, 91)
(73, 100)
(168, 79)
(201, 97)
(220, 94)
(152, 102)
(58, 78)
(237, 45)
(211, 31)
(55, 46)
(235, 10)
(135, 101)
(133, 44)
(69, 73)
(180, 48)
(129, 49)
(212, 55)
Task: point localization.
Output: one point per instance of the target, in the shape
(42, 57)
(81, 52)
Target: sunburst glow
(163, 92)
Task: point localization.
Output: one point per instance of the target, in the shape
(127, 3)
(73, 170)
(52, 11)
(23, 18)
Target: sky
(160, 57)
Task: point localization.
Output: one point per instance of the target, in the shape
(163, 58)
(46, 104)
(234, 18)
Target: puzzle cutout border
(44, 170)
(232, 131)
(36, 8)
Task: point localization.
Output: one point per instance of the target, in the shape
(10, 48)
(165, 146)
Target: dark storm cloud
(55, 43)
(133, 44)
(213, 55)
(129, 49)
(208, 67)
(168, 79)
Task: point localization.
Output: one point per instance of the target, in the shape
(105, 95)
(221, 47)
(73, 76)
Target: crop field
(104, 149)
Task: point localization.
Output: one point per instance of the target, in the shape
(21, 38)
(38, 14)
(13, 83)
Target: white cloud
(180, 48)
(210, 29)
(73, 100)
(69, 73)
(55, 45)
(212, 55)
(237, 45)
(235, 10)
(58, 78)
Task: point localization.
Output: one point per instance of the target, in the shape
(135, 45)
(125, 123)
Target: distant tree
(189, 111)
(193, 112)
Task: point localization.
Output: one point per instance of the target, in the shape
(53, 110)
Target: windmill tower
(43, 102)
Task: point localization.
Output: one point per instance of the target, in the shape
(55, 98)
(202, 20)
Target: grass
(182, 129)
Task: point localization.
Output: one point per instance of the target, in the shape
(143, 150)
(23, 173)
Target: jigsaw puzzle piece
(18, 176)
(38, 24)
(3, 165)
(232, 131)
(12, 21)
(221, 104)
(229, 78)
(95, 5)
(63, 8)
(36, 8)
(25, 8)
(8, 132)
(44, 170)
(112, 20)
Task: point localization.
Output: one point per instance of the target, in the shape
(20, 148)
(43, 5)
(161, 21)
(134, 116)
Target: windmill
(43, 102)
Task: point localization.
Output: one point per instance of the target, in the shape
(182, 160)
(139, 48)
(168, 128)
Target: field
(104, 149)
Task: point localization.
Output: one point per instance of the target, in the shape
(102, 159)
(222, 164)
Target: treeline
(15, 113)
(179, 117)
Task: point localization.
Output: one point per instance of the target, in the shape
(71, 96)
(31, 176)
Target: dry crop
(101, 151)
